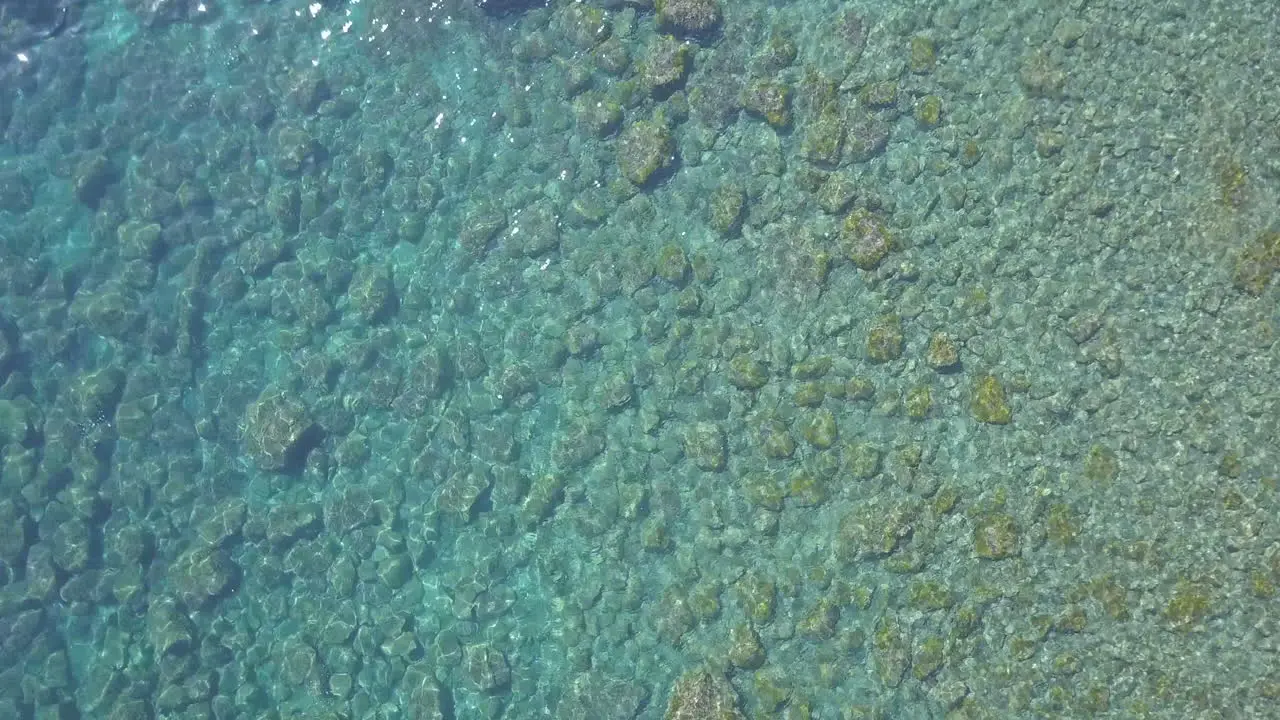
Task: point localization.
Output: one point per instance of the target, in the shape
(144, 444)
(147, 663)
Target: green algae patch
(1101, 465)
(928, 657)
(923, 56)
(1061, 525)
(1189, 604)
(988, 403)
(929, 111)
(996, 537)
(930, 595)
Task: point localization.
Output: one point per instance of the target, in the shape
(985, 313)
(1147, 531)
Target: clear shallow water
(596, 361)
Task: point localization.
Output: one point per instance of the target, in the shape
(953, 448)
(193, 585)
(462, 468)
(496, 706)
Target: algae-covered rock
(821, 620)
(1041, 76)
(995, 537)
(941, 354)
(885, 339)
(584, 25)
(747, 373)
(859, 388)
(875, 529)
(91, 178)
(809, 394)
(770, 100)
(862, 460)
(600, 116)
(545, 494)
(577, 445)
(672, 265)
(727, 206)
(771, 690)
(820, 429)
(484, 220)
(924, 55)
(688, 16)
(824, 137)
(837, 193)
(1101, 465)
(918, 401)
(223, 521)
(805, 489)
(989, 403)
(813, 368)
(745, 650)
(928, 657)
(644, 149)
(880, 94)
(111, 310)
(891, 651)
(1257, 263)
(1190, 603)
(866, 135)
(655, 538)
(665, 64)
(394, 570)
(929, 111)
(617, 391)
(593, 695)
(15, 528)
(70, 545)
(612, 56)
(703, 695)
(764, 489)
(865, 238)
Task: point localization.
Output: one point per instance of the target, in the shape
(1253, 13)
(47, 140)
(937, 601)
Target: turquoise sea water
(597, 360)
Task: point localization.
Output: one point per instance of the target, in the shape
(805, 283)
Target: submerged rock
(506, 7)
